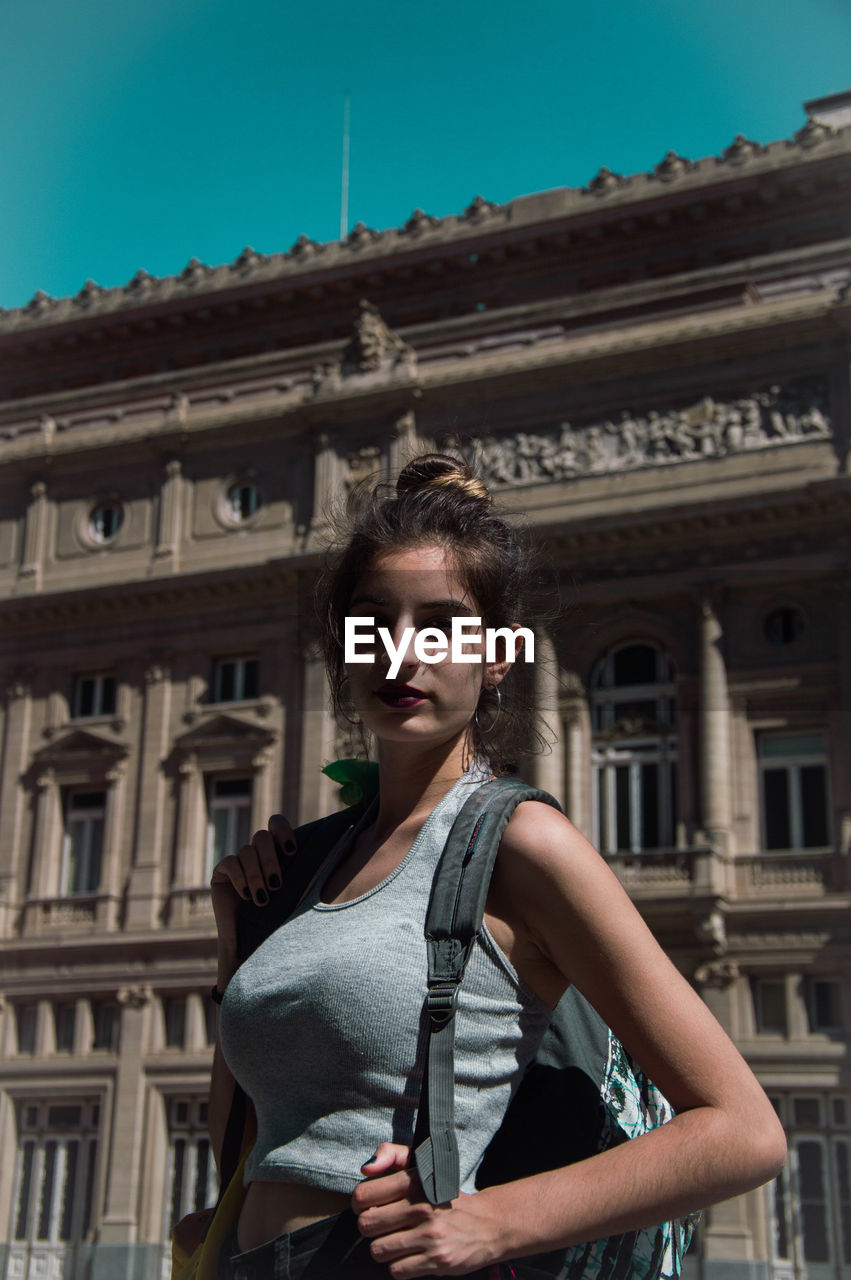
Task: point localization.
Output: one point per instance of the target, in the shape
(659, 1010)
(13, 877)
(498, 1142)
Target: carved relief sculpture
(707, 429)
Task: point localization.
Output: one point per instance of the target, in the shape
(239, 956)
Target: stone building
(656, 372)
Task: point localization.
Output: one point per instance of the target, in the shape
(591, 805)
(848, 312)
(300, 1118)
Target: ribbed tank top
(323, 1025)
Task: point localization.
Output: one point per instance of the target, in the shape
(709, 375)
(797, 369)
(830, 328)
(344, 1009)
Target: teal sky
(140, 133)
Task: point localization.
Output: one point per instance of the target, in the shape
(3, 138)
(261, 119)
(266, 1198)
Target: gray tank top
(323, 1025)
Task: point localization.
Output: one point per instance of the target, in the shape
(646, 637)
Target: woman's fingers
(282, 833)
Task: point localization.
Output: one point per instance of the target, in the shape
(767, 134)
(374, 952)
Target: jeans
(324, 1250)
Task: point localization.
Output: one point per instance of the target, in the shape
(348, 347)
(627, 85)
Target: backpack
(581, 1094)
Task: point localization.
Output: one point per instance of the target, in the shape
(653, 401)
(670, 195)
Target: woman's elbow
(770, 1149)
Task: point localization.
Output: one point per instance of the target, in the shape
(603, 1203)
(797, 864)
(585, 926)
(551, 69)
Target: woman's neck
(412, 782)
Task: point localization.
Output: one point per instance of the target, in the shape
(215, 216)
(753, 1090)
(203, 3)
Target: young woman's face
(422, 702)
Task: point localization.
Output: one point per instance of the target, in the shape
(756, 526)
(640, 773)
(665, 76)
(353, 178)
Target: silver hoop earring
(492, 725)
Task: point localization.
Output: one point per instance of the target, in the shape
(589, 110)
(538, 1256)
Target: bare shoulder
(540, 841)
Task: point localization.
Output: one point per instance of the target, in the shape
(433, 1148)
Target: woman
(321, 1024)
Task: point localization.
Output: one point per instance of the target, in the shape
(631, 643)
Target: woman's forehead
(421, 574)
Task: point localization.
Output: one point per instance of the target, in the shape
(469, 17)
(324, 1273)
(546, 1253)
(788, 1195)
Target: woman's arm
(252, 874)
(560, 899)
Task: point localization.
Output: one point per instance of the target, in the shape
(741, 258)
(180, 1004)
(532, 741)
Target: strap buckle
(441, 1001)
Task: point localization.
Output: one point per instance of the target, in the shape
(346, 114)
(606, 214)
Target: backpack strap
(453, 922)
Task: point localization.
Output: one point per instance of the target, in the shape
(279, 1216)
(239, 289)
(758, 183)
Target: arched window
(633, 718)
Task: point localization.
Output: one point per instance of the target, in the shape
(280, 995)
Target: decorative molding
(420, 222)
(741, 149)
(605, 181)
(719, 974)
(708, 428)
(373, 352)
(479, 210)
(673, 166)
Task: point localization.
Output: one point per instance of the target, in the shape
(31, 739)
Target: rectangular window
(769, 996)
(228, 817)
(94, 695)
(26, 1024)
(236, 679)
(83, 843)
(64, 1023)
(824, 1004)
(812, 1196)
(191, 1181)
(106, 1023)
(54, 1176)
(174, 1017)
(635, 795)
(794, 793)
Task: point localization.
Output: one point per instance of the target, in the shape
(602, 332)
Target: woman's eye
(438, 624)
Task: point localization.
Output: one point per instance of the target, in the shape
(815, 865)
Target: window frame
(631, 751)
(103, 706)
(89, 883)
(246, 670)
(238, 827)
(792, 764)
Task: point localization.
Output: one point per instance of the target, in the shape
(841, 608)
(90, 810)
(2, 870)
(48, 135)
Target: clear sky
(141, 133)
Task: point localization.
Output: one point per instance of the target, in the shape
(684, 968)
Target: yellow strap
(203, 1262)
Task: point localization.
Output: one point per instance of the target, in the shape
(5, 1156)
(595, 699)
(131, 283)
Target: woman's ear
(505, 654)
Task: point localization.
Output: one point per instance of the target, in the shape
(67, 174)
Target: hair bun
(440, 471)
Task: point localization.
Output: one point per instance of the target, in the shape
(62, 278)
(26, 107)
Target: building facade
(654, 374)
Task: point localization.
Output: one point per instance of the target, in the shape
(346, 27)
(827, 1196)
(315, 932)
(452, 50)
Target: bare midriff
(272, 1208)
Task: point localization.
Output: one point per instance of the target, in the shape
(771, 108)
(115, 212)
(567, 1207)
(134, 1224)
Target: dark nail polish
(246, 893)
(290, 846)
(274, 882)
(262, 897)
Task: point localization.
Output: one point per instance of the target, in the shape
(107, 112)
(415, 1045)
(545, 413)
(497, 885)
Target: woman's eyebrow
(457, 606)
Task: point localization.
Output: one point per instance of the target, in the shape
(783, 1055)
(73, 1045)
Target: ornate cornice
(377, 363)
(536, 215)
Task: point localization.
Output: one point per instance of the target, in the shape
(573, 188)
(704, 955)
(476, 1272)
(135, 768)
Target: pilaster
(327, 479)
(119, 1222)
(548, 766)
(714, 728)
(577, 740)
(35, 539)
(13, 760)
(316, 792)
(146, 876)
(167, 549)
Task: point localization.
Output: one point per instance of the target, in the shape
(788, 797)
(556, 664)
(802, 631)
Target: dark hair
(438, 500)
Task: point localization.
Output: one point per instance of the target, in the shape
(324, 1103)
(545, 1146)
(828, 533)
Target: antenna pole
(344, 193)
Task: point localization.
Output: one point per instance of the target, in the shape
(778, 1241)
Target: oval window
(105, 521)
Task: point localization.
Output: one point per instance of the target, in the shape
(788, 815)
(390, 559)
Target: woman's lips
(401, 696)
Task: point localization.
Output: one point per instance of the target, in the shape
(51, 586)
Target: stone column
(548, 771)
(316, 792)
(714, 729)
(113, 830)
(327, 476)
(577, 735)
(14, 754)
(149, 853)
(167, 550)
(114, 1256)
(47, 838)
(35, 538)
(403, 442)
(190, 836)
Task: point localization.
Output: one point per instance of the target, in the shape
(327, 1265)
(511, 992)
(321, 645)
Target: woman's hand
(413, 1237)
(252, 874)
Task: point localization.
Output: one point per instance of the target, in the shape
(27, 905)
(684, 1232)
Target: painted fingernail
(274, 882)
(246, 893)
(290, 846)
(262, 897)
